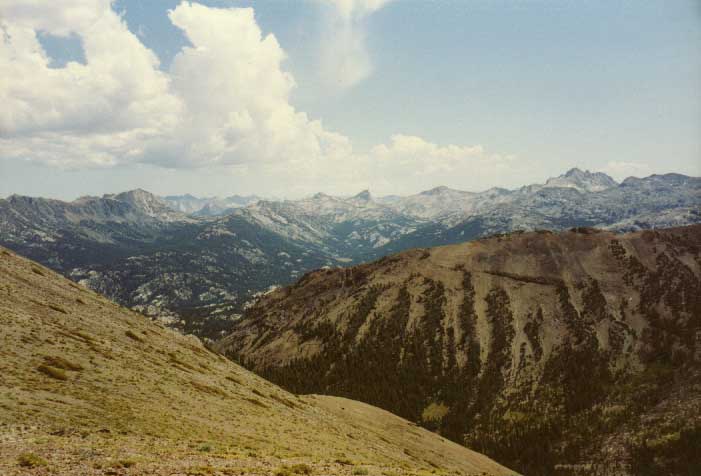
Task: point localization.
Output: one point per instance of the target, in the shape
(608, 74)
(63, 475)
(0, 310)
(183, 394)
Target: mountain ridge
(582, 340)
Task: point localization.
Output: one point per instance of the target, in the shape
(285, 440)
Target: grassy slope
(89, 387)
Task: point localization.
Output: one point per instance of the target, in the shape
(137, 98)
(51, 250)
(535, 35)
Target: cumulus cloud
(223, 103)
(102, 109)
(345, 60)
(236, 94)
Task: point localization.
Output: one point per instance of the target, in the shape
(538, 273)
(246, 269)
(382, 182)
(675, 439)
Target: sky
(287, 98)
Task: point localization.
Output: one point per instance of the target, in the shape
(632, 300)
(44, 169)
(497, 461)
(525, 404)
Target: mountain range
(208, 206)
(197, 263)
(572, 353)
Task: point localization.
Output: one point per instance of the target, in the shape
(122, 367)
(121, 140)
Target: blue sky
(471, 94)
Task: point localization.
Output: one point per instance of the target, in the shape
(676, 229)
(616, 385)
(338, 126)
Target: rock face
(584, 181)
(569, 353)
(89, 387)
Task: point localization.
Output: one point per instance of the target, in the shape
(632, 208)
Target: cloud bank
(224, 102)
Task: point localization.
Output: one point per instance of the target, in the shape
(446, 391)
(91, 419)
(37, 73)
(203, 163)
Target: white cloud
(345, 60)
(236, 94)
(101, 108)
(223, 103)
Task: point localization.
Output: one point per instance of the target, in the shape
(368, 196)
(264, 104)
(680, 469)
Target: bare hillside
(90, 388)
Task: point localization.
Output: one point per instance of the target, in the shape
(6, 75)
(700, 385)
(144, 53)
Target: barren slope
(88, 387)
(586, 342)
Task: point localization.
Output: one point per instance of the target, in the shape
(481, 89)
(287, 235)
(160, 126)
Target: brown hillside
(569, 353)
(88, 388)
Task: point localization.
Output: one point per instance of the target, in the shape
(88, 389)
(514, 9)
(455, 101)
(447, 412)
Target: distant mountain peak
(147, 203)
(364, 195)
(576, 172)
(136, 195)
(435, 190)
(582, 180)
(320, 196)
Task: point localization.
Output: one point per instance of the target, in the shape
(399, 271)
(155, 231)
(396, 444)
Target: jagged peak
(364, 195)
(582, 180)
(576, 172)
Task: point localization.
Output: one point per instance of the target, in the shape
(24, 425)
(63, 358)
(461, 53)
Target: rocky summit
(571, 353)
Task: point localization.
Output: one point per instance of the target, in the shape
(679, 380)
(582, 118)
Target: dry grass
(103, 402)
(30, 460)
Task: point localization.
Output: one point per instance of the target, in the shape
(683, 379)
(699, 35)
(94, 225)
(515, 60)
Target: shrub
(87, 338)
(175, 360)
(301, 469)
(257, 402)
(208, 389)
(283, 400)
(233, 379)
(61, 363)
(435, 412)
(57, 308)
(30, 460)
(127, 463)
(133, 336)
(122, 463)
(257, 392)
(294, 469)
(53, 372)
(360, 471)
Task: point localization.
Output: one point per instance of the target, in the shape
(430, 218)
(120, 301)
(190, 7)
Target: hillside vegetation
(575, 353)
(88, 388)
